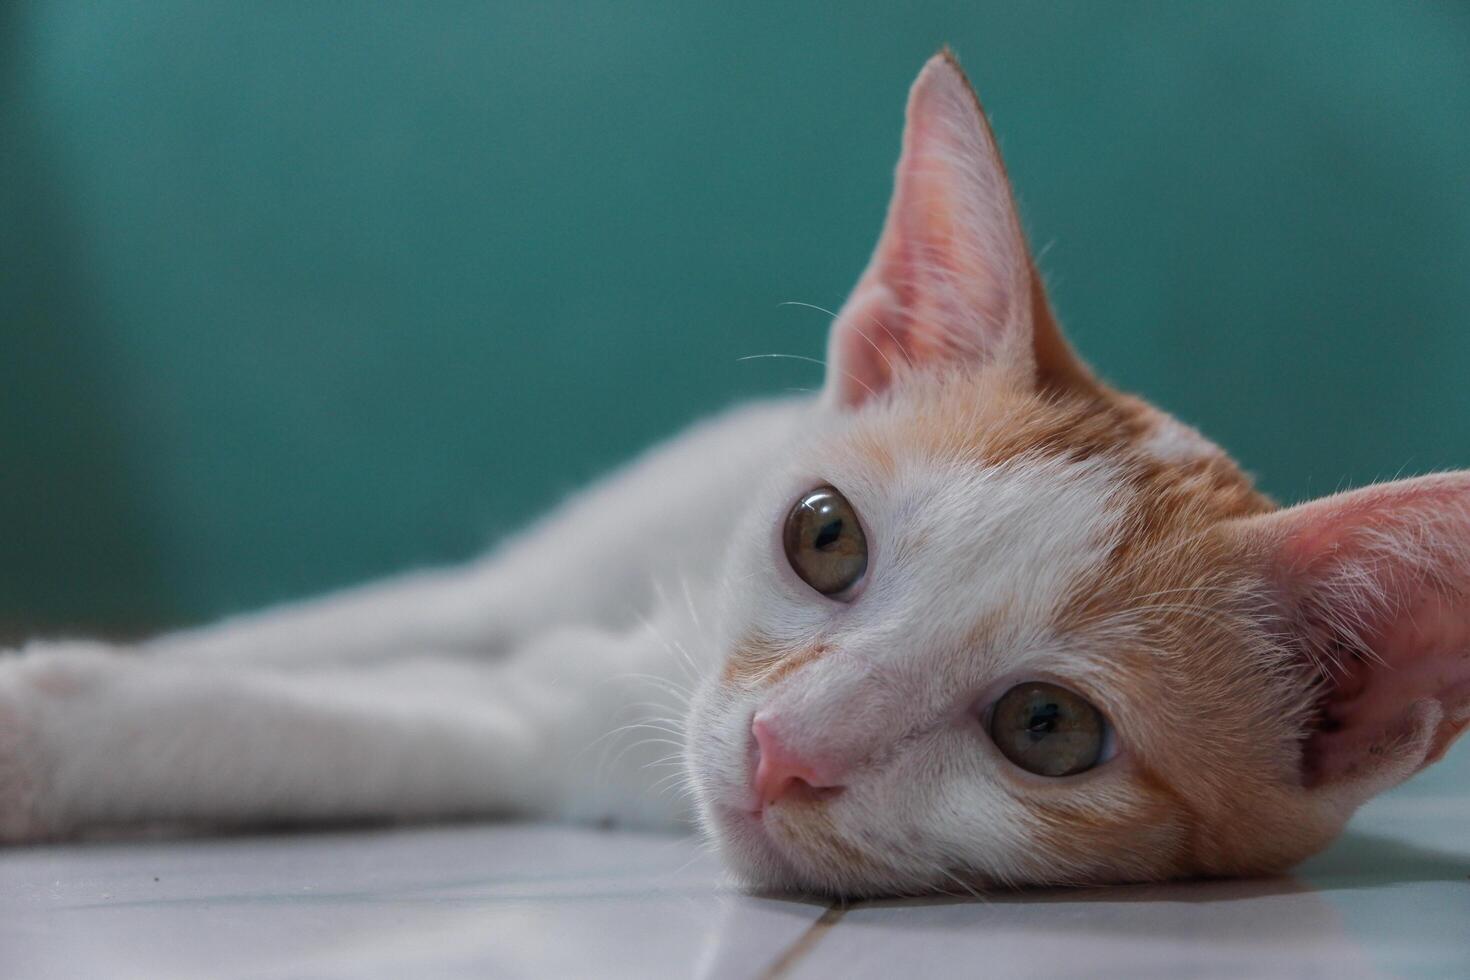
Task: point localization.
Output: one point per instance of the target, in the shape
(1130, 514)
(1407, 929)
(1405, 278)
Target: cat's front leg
(95, 739)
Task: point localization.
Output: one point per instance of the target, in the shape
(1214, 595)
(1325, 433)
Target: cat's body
(970, 617)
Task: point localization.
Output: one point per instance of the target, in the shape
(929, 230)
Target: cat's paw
(18, 789)
(29, 679)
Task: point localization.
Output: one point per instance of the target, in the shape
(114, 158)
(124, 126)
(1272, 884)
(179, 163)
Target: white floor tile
(476, 901)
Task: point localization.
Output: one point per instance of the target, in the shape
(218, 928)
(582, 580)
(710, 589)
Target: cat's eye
(1048, 730)
(824, 542)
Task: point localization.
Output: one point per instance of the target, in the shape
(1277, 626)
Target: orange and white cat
(969, 618)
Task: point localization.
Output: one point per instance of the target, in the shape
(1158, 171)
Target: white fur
(1171, 441)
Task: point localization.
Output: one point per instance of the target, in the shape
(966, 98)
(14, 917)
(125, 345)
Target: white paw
(31, 682)
(18, 789)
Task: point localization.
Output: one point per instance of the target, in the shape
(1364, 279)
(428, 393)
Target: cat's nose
(781, 773)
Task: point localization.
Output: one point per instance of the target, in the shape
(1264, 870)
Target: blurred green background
(292, 295)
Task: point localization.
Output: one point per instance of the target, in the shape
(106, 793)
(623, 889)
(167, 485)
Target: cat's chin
(756, 860)
(786, 853)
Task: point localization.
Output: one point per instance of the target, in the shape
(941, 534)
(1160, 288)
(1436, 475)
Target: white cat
(969, 618)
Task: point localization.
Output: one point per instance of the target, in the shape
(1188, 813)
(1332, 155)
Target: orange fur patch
(757, 660)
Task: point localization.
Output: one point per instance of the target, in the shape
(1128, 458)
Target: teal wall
(292, 295)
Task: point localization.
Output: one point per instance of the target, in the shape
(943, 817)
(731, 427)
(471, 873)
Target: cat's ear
(951, 278)
(1375, 589)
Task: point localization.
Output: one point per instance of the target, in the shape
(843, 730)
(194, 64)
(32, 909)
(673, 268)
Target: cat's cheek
(717, 751)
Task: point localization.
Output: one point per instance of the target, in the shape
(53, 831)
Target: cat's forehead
(1005, 544)
(953, 427)
(1027, 511)
(990, 416)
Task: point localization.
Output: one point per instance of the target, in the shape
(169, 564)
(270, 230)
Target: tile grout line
(804, 943)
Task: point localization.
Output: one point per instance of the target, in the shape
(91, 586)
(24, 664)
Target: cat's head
(993, 622)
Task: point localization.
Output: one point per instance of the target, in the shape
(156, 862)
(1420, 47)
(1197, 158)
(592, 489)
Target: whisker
(684, 694)
(809, 306)
(810, 360)
(612, 763)
(689, 603)
(876, 322)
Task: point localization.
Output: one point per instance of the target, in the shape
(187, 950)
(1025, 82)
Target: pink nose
(781, 773)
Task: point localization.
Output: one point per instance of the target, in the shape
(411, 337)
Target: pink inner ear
(1380, 579)
(949, 279)
(1421, 652)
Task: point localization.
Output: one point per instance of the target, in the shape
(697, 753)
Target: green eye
(824, 542)
(1048, 730)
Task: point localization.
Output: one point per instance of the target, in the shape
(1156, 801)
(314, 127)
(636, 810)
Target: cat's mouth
(799, 795)
(795, 844)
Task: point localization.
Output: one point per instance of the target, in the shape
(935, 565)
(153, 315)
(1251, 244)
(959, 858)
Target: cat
(969, 618)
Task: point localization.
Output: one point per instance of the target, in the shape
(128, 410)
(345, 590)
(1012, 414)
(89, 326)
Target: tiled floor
(1392, 898)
